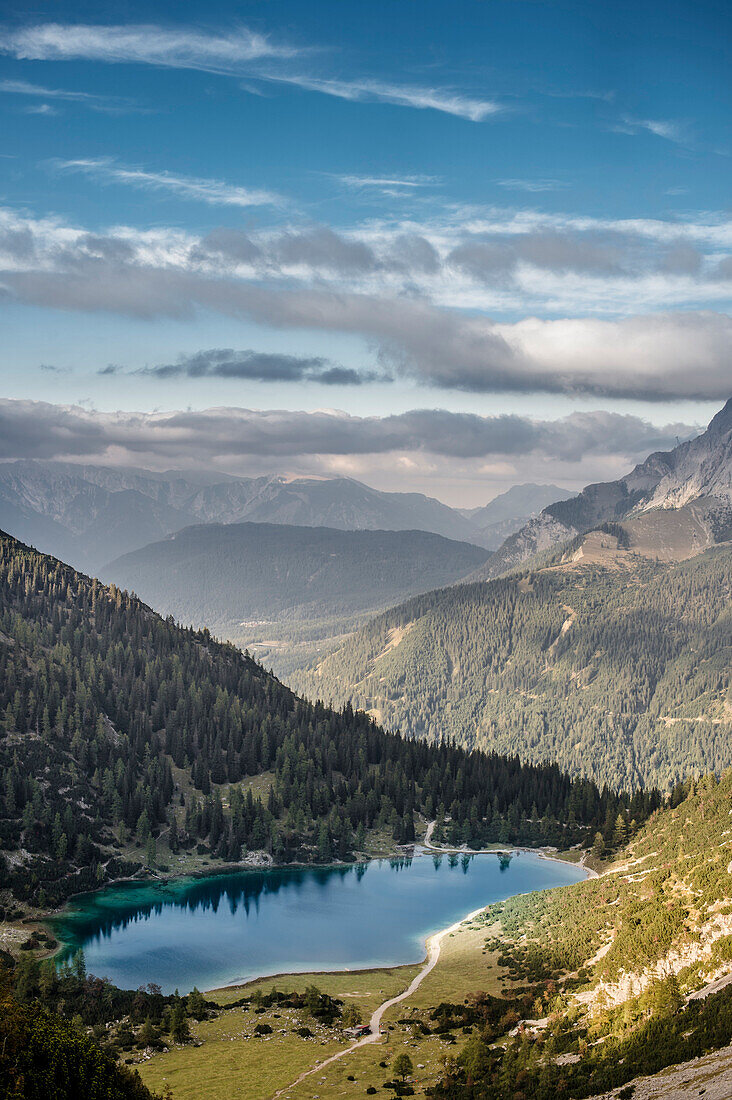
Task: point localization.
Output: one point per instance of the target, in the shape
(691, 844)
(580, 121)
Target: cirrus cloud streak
(239, 53)
(214, 192)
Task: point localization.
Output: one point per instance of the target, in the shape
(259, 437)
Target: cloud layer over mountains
(422, 299)
(34, 429)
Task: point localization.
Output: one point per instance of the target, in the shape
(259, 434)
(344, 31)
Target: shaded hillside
(246, 580)
(697, 470)
(125, 739)
(45, 1057)
(91, 514)
(615, 666)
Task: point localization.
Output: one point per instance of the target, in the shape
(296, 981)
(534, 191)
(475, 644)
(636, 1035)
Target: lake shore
(261, 861)
(349, 946)
(432, 937)
(432, 948)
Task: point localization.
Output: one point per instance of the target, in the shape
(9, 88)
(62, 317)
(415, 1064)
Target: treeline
(623, 677)
(100, 699)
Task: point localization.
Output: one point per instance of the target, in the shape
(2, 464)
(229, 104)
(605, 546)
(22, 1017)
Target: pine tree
(179, 1028)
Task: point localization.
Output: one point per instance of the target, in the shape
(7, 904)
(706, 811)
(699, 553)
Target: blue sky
(490, 209)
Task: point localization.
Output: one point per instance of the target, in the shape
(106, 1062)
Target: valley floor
(229, 1065)
(231, 1062)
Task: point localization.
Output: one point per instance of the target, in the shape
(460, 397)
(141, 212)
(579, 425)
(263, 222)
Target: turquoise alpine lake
(230, 928)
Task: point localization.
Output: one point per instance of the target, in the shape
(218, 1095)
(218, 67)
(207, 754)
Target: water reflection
(223, 928)
(104, 912)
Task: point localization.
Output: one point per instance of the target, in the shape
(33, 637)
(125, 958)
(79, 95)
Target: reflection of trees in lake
(398, 863)
(282, 919)
(137, 902)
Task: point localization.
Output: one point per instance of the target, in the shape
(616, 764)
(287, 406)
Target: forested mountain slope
(246, 580)
(621, 964)
(125, 738)
(697, 470)
(616, 666)
(88, 515)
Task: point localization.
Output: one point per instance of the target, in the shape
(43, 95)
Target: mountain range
(606, 645)
(87, 515)
(512, 510)
(287, 586)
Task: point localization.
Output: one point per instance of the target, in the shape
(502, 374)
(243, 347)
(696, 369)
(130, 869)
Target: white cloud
(463, 458)
(214, 192)
(240, 53)
(652, 356)
(95, 102)
(41, 109)
(423, 98)
(393, 289)
(663, 128)
(144, 44)
(35, 429)
(408, 183)
(532, 186)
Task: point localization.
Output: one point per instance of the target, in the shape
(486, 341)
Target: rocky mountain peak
(699, 469)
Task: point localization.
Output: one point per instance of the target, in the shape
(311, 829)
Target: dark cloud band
(257, 366)
(33, 429)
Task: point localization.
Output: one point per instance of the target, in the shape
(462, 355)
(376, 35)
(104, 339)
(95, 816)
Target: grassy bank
(227, 1064)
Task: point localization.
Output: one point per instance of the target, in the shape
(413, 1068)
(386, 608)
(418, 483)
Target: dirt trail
(433, 954)
(447, 850)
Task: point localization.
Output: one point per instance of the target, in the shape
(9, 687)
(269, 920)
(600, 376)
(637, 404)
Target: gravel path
(433, 954)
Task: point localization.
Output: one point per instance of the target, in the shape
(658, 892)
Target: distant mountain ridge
(512, 510)
(608, 649)
(89, 514)
(699, 469)
(251, 580)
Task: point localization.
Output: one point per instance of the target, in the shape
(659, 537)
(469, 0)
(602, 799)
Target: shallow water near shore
(230, 928)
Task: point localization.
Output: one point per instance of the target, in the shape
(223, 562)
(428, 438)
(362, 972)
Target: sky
(440, 247)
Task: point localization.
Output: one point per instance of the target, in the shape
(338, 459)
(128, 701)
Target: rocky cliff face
(696, 953)
(700, 469)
